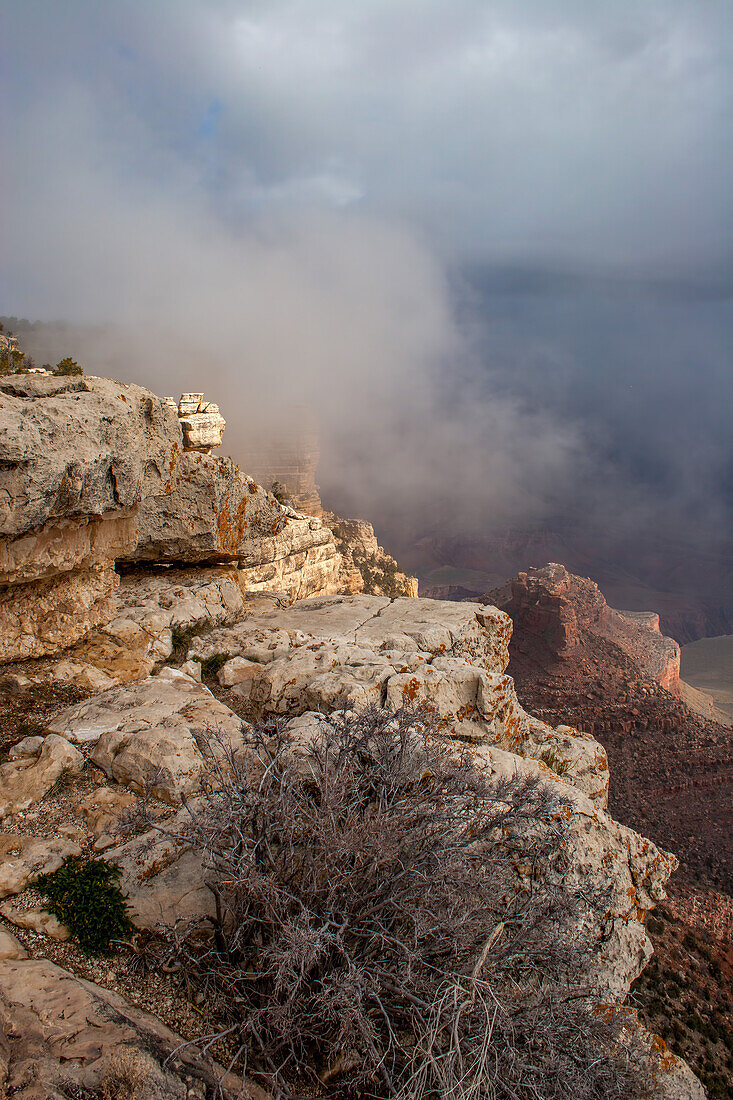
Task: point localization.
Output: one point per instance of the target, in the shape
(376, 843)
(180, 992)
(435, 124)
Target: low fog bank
(453, 407)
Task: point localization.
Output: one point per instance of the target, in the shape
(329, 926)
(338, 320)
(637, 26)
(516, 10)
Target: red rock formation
(576, 660)
(557, 611)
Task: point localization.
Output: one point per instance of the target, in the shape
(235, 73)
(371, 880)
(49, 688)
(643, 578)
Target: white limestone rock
(201, 423)
(50, 614)
(23, 858)
(64, 1033)
(28, 779)
(151, 733)
(35, 919)
(162, 880)
(74, 455)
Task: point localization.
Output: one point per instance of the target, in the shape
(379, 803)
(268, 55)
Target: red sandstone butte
(554, 612)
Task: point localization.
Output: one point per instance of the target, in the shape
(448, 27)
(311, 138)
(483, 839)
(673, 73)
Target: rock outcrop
(201, 423)
(93, 472)
(73, 454)
(63, 1036)
(554, 611)
(322, 655)
(151, 735)
(366, 566)
(197, 636)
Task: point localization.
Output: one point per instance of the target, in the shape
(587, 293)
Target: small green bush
(85, 895)
(68, 366)
(211, 665)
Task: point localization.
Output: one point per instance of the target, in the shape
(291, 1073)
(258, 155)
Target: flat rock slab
(152, 734)
(438, 627)
(64, 1033)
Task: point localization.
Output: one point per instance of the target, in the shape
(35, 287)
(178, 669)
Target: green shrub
(68, 366)
(85, 895)
(211, 665)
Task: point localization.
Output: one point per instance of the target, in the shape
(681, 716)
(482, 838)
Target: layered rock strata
(93, 472)
(366, 566)
(555, 611)
(201, 423)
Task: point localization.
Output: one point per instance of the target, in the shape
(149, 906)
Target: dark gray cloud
(490, 242)
(541, 128)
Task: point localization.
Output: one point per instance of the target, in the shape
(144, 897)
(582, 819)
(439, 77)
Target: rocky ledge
(150, 733)
(227, 611)
(94, 473)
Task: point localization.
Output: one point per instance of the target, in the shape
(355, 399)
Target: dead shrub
(128, 1071)
(386, 924)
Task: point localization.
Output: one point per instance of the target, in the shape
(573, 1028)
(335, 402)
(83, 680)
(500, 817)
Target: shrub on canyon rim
(85, 895)
(372, 936)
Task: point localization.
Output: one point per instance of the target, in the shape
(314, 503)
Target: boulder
(151, 734)
(10, 947)
(35, 919)
(23, 858)
(28, 779)
(162, 880)
(63, 1036)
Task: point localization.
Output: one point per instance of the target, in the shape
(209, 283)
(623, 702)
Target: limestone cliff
(93, 472)
(284, 457)
(367, 567)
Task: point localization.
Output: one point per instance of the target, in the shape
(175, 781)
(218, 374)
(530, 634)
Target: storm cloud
(490, 243)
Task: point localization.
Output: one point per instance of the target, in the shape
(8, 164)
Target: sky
(489, 242)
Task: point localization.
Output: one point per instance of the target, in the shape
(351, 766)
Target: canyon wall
(200, 635)
(554, 611)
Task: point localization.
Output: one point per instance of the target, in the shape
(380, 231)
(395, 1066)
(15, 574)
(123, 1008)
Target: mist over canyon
(582, 420)
(487, 246)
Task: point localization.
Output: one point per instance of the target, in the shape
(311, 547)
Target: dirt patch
(25, 709)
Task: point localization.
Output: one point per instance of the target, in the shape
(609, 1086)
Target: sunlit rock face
(320, 655)
(73, 459)
(201, 423)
